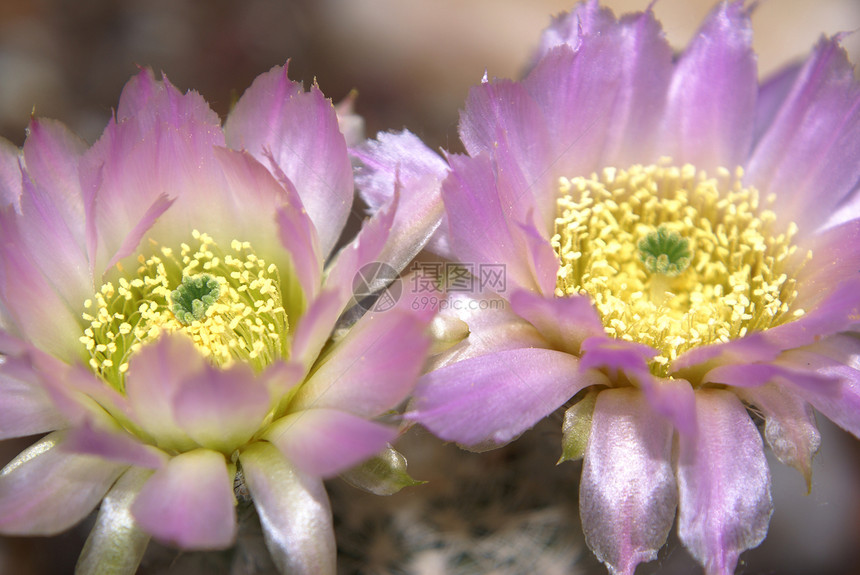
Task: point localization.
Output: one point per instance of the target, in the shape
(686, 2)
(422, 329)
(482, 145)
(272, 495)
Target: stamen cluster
(229, 304)
(723, 260)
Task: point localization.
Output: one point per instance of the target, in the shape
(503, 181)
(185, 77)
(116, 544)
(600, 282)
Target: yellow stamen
(246, 322)
(734, 282)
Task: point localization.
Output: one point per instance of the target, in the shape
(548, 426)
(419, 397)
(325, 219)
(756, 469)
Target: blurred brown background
(412, 62)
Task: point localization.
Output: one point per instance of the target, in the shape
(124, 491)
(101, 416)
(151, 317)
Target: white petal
(45, 490)
(294, 511)
(116, 544)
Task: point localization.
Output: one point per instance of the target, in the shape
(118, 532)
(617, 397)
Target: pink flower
(680, 247)
(168, 321)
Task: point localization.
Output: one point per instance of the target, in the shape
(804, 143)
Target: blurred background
(411, 62)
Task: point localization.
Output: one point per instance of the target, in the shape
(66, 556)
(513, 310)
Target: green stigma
(193, 297)
(665, 252)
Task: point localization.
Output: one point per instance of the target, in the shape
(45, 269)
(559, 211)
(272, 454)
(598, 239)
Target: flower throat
(227, 302)
(673, 258)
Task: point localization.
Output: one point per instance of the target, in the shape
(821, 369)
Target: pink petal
(440, 241)
(501, 114)
(401, 159)
(616, 355)
(25, 406)
(145, 102)
(751, 348)
(116, 544)
(495, 397)
(155, 375)
(420, 212)
(351, 124)
(51, 156)
(52, 206)
(542, 259)
(221, 408)
(831, 314)
(627, 494)
(670, 397)
(710, 114)
(481, 229)
(140, 228)
(724, 484)
(74, 392)
(790, 427)
(30, 304)
(264, 208)
(492, 327)
(45, 490)
(771, 96)
(294, 511)
(114, 445)
(54, 240)
(758, 374)
(603, 89)
(502, 120)
(324, 442)
(372, 369)
(587, 17)
(565, 322)
(835, 358)
(848, 210)
(189, 502)
(252, 191)
(835, 260)
(834, 312)
(137, 95)
(160, 145)
(316, 325)
(281, 377)
(300, 240)
(808, 157)
(126, 201)
(393, 157)
(78, 393)
(364, 249)
(300, 130)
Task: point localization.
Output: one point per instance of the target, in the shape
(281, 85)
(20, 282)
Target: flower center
(664, 252)
(227, 302)
(193, 297)
(673, 258)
